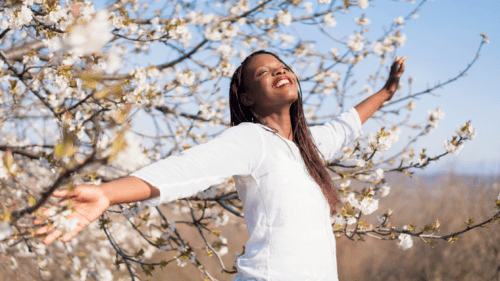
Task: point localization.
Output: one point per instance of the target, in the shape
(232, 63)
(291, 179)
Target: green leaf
(31, 200)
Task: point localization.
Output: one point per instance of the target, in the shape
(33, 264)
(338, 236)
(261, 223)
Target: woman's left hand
(397, 69)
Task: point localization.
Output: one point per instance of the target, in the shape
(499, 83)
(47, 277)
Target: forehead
(262, 60)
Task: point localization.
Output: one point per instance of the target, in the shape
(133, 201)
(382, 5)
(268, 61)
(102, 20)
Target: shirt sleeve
(333, 135)
(237, 151)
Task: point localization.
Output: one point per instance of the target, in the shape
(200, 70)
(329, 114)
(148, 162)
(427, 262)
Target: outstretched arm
(237, 151)
(367, 107)
(90, 202)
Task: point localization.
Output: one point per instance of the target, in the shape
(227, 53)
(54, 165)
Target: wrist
(105, 194)
(127, 190)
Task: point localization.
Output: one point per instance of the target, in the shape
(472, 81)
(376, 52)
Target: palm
(90, 204)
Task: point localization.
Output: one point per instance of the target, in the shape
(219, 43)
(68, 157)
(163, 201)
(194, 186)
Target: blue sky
(440, 43)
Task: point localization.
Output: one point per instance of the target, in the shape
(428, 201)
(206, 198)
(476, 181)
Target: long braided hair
(301, 134)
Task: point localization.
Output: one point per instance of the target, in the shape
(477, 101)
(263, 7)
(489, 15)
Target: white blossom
(286, 39)
(335, 52)
(354, 162)
(351, 199)
(226, 51)
(228, 69)
(308, 7)
(5, 230)
(411, 106)
(382, 219)
(17, 18)
(4, 174)
(220, 219)
(213, 34)
(324, 2)
(383, 141)
(228, 29)
(185, 78)
(345, 184)
(284, 17)
(62, 223)
(132, 211)
(378, 174)
(339, 220)
(54, 16)
(435, 116)
(363, 4)
(466, 131)
(362, 21)
(90, 37)
(87, 11)
(171, 230)
(61, 82)
(398, 39)
(181, 263)
(4, 24)
(133, 157)
(223, 250)
(179, 31)
(239, 8)
(385, 190)
(406, 242)
(53, 44)
(356, 43)
(453, 148)
(368, 205)
(399, 20)
(329, 20)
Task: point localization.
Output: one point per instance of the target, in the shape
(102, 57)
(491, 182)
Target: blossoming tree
(77, 81)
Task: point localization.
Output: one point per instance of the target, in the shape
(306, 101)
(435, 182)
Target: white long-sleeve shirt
(287, 216)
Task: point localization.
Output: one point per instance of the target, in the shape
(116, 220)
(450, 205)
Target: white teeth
(282, 82)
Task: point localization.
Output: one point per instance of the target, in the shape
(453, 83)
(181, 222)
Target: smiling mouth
(283, 82)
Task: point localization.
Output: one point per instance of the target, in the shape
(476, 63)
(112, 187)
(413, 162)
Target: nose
(279, 71)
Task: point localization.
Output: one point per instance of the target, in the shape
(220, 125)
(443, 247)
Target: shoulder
(243, 129)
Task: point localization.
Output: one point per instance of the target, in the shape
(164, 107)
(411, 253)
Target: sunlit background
(440, 43)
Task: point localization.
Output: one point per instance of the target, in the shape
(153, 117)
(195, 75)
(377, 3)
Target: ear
(246, 99)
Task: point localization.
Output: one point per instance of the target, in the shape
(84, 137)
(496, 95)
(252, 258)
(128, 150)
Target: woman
(276, 162)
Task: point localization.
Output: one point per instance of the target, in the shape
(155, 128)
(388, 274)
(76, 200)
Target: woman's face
(270, 84)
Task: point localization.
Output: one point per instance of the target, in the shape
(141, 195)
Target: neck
(281, 121)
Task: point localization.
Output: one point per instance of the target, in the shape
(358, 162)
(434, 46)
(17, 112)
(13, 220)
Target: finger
(38, 221)
(70, 235)
(61, 193)
(402, 69)
(44, 230)
(48, 212)
(52, 237)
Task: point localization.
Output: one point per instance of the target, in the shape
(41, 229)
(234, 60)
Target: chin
(293, 96)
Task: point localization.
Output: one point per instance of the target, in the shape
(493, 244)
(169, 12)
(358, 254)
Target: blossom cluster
(406, 241)
(102, 92)
(383, 140)
(435, 116)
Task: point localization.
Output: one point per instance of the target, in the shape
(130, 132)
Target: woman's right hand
(90, 203)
